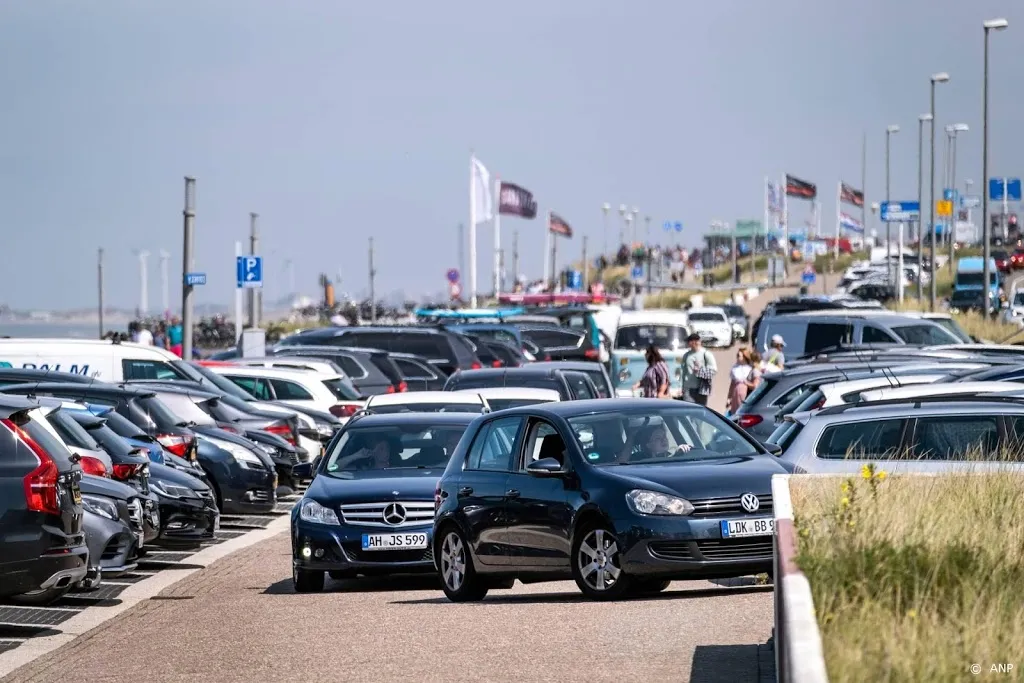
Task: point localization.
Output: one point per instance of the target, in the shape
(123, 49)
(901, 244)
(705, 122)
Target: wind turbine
(165, 258)
(143, 257)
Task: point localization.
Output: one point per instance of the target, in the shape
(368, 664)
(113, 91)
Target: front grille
(357, 554)
(756, 548)
(206, 495)
(671, 550)
(260, 496)
(115, 548)
(715, 507)
(372, 514)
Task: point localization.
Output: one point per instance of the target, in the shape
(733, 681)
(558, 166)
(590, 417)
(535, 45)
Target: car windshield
(924, 334)
(342, 389)
(475, 408)
(642, 336)
(953, 327)
(657, 436)
(969, 279)
(707, 318)
(419, 445)
(506, 403)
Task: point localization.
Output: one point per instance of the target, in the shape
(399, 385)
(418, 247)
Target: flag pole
(554, 263)
(767, 217)
(472, 230)
(839, 220)
(497, 238)
(547, 249)
(785, 226)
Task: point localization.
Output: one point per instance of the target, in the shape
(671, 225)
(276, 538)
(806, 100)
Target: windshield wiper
(413, 467)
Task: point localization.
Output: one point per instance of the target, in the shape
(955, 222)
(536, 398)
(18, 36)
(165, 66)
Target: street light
(636, 223)
(622, 214)
(889, 131)
(989, 25)
(942, 77)
(605, 208)
(920, 172)
(951, 132)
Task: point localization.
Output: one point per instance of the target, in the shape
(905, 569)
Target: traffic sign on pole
(808, 276)
(997, 187)
(638, 272)
(944, 208)
(970, 201)
(249, 271)
(452, 275)
(194, 279)
(898, 212)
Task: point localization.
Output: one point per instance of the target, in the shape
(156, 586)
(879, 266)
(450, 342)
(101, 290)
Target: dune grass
(914, 578)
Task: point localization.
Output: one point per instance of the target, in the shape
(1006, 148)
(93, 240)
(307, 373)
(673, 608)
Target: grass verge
(914, 578)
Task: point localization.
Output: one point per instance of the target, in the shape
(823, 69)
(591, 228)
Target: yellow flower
(845, 488)
(866, 471)
(912, 613)
(852, 523)
(844, 501)
(881, 475)
(804, 533)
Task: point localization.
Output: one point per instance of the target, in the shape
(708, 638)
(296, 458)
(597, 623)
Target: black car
(41, 533)
(595, 371)
(242, 477)
(418, 372)
(115, 517)
(370, 507)
(188, 510)
(570, 384)
(561, 343)
(130, 466)
(622, 495)
(442, 348)
(369, 370)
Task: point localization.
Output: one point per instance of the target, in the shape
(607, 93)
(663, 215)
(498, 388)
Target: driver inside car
(650, 442)
(374, 455)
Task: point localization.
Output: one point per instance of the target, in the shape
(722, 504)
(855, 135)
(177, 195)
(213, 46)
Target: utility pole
(373, 294)
(187, 264)
(515, 255)
(586, 266)
(254, 250)
(165, 291)
(143, 257)
(99, 282)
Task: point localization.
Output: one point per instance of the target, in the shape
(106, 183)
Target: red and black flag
(800, 188)
(514, 200)
(849, 195)
(558, 226)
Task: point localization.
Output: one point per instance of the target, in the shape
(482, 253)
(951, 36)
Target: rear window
(642, 336)
(122, 426)
(70, 431)
(110, 441)
(341, 389)
(506, 403)
(600, 381)
(579, 385)
(428, 408)
(184, 408)
(497, 334)
(150, 410)
(870, 439)
(763, 388)
(707, 317)
(923, 334)
(42, 436)
(464, 353)
(784, 434)
(351, 367)
(388, 367)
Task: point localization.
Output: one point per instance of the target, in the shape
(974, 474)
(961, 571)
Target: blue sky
(338, 120)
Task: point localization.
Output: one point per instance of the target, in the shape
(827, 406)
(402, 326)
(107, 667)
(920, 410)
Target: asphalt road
(239, 620)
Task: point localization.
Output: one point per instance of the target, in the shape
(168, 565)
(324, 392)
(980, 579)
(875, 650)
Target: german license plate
(216, 523)
(414, 541)
(76, 494)
(738, 528)
(142, 538)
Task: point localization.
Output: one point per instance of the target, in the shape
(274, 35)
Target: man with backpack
(699, 369)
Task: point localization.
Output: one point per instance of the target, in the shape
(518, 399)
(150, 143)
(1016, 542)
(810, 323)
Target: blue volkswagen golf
(621, 495)
(370, 507)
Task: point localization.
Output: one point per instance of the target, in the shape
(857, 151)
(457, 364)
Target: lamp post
(605, 208)
(622, 232)
(920, 173)
(636, 224)
(889, 131)
(990, 25)
(936, 78)
(952, 131)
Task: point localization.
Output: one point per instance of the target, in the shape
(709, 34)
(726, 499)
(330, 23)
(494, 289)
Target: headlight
(312, 511)
(269, 450)
(242, 455)
(169, 490)
(324, 429)
(100, 506)
(624, 375)
(654, 503)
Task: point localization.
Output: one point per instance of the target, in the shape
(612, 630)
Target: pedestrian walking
(175, 336)
(739, 379)
(776, 356)
(655, 382)
(699, 369)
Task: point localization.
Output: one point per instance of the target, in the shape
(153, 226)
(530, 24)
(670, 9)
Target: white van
(100, 358)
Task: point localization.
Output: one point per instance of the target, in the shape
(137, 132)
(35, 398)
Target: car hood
(159, 473)
(101, 486)
(375, 485)
(700, 479)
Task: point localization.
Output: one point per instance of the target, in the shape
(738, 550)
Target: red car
(1017, 259)
(1002, 260)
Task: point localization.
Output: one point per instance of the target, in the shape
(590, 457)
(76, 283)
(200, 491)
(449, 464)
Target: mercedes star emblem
(394, 513)
(749, 502)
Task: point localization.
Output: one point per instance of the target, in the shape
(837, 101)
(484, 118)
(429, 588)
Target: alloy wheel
(453, 561)
(598, 560)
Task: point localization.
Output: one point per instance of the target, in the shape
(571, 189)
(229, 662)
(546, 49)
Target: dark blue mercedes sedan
(622, 495)
(370, 507)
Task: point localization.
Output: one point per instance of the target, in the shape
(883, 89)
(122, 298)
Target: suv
(799, 304)
(370, 371)
(923, 434)
(570, 384)
(442, 348)
(40, 508)
(814, 331)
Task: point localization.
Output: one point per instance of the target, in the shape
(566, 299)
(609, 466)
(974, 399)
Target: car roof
(326, 349)
(914, 391)
(706, 309)
(433, 419)
(529, 370)
(12, 403)
(468, 397)
(983, 405)
(273, 373)
(568, 409)
(567, 365)
(653, 316)
(94, 389)
(513, 392)
(170, 388)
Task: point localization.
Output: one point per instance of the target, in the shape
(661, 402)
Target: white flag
(483, 209)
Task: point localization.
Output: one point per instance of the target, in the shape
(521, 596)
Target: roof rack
(918, 401)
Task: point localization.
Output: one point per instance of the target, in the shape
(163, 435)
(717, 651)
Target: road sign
(996, 185)
(669, 226)
(678, 226)
(638, 272)
(951, 195)
(452, 275)
(193, 279)
(575, 280)
(249, 271)
(899, 212)
(808, 276)
(970, 202)
(944, 208)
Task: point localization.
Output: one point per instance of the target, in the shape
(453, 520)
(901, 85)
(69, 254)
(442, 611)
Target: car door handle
(466, 491)
(512, 493)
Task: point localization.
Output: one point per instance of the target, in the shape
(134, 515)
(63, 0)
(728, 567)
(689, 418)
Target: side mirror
(773, 448)
(304, 470)
(545, 467)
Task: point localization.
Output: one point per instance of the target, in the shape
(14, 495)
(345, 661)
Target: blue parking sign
(249, 271)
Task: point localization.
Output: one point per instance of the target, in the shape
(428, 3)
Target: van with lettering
(102, 359)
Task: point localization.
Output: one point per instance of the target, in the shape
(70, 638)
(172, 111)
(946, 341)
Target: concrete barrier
(799, 657)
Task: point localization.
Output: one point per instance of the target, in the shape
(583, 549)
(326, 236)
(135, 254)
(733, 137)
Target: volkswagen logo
(394, 513)
(749, 502)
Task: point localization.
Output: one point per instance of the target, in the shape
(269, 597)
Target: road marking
(91, 617)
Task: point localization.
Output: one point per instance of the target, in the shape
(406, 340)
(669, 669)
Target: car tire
(40, 598)
(342, 574)
(650, 586)
(455, 569)
(307, 581)
(595, 560)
